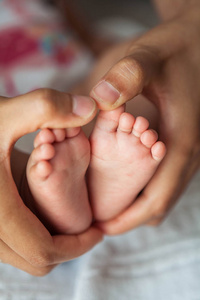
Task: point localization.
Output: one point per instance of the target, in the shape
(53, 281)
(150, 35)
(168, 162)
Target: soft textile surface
(148, 263)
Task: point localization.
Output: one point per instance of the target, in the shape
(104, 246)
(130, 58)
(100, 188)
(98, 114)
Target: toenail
(156, 158)
(123, 130)
(106, 92)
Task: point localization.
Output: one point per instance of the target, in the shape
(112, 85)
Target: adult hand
(163, 65)
(24, 242)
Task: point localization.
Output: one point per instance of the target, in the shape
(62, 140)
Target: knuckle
(41, 272)
(158, 214)
(41, 258)
(132, 68)
(45, 101)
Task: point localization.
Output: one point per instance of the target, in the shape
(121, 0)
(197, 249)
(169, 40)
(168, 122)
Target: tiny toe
(109, 120)
(59, 134)
(126, 122)
(41, 170)
(42, 152)
(71, 132)
(158, 151)
(141, 124)
(149, 137)
(44, 136)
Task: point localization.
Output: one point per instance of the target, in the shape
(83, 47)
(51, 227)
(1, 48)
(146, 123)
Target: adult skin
(24, 242)
(163, 65)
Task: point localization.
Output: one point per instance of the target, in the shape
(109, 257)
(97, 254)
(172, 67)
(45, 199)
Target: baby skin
(56, 177)
(124, 156)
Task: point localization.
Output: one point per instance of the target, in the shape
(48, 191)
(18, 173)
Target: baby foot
(56, 178)
(124, 156)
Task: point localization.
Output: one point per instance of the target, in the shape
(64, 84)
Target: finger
(152, 206)
(24, 228)
(39, 248)
(41, 109)
(125, 80)
(156, 221)
(8, 256)
(130, 75)
(31, 247)
(44, 108)
(69, 247)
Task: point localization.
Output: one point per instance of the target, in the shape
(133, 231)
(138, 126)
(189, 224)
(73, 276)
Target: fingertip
(105, 228)
(105, 92)
(96, 232)
(83, 106)
(123, 82)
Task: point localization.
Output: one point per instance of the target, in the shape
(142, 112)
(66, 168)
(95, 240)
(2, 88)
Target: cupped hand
(163, 65)
(24, 242)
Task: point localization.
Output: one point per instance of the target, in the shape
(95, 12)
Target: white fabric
(149, 263)
(146, 264)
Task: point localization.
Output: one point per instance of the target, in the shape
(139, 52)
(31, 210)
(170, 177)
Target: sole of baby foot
(56, 177)
(124, 156)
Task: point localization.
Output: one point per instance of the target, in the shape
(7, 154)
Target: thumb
(145, 58)
(43, 108)
(126, 79)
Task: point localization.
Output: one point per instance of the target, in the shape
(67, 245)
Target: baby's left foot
(124, 157)
(56, 178)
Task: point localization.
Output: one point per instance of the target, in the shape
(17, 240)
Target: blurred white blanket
(148, 263)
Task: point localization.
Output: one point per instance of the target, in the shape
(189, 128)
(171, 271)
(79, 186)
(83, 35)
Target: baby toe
(59, 134)
(40, 171)
(148, 138)
(42, 152)
(108, 121)
(141, 124)
(44, 136)
(158, 151)
(72, 132)
(126, 122)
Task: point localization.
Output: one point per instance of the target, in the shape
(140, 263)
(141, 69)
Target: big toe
(43, 137)
(109, 120)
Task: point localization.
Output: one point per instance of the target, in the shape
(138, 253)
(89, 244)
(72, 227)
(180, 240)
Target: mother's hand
(164, 65)
(24, 241)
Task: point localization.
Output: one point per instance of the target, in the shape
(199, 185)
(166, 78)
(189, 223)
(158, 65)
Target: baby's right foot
(56, 178)
(124, 157)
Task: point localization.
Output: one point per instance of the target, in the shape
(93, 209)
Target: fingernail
(106, 92)
(83, 106)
